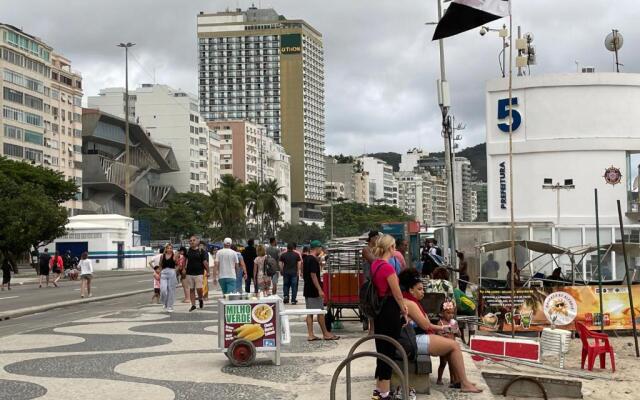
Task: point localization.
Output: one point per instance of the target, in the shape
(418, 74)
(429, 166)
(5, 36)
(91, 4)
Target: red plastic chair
(600, 347)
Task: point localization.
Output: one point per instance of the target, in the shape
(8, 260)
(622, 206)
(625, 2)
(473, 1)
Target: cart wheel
(241, 353)
(329, 319)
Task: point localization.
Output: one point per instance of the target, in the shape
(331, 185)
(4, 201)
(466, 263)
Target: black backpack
(370, 303)
(270, 266)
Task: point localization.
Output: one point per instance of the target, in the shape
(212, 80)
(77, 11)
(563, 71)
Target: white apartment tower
(41, 107)
(383, 184)
(257, 65)
(170, 117)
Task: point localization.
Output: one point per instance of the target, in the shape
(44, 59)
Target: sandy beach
(621, 385)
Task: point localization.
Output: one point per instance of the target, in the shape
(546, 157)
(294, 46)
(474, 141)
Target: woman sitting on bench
(413, 292)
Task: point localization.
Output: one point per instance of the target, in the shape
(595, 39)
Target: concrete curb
(37, 309)
(33, 279)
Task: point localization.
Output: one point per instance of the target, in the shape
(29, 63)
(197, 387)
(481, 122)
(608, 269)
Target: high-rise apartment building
(170, 117)
(257, 65)
(41, 107)
(480, 188)
(383, 185)
(439, 198)
(214, 160)
(411, 197)
(466, 201)
(352, 176)
(409, 160)
(334, 191)
(247, 153)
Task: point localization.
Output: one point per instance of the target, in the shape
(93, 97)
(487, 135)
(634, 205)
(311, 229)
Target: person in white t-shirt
(155, 260)
(225, 268)
(86, 274)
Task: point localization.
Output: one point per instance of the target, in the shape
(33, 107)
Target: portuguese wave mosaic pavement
(145, 353)
(149, 354)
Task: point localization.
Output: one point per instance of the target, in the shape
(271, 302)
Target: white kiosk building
(108, 238)
(568, 129)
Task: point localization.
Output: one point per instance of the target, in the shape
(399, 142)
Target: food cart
(249, 325)
(341, 283)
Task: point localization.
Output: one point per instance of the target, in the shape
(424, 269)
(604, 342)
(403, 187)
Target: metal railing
(403, 374)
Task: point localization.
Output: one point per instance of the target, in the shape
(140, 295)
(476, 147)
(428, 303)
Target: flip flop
(313, 339)
(332, 338)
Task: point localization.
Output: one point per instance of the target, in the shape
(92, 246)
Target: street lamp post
(568, 185)
(127, 196)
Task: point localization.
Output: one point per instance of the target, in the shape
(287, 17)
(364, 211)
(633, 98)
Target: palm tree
(269, 199)
(254, 207)
(227, 206)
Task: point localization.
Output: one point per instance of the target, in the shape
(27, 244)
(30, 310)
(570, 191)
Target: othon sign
(503, 114)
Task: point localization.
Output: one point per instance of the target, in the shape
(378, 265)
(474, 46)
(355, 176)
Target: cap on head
(227, 241)
(315, 244)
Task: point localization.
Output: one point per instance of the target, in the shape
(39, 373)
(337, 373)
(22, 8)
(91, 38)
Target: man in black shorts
(43, 261)
(197, 262)
(313, 294)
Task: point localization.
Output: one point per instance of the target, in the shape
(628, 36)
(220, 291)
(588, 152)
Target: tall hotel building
(41, 107)
(256, 65)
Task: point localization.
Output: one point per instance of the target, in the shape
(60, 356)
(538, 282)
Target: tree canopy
(31, 202)
(353, 219)
(301, 234)
(234, 209)
(184, 214)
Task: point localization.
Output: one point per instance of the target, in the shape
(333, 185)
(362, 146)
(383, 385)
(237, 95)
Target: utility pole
(445, 104)
(127, 195)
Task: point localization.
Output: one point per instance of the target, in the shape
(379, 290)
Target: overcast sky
(380, 63)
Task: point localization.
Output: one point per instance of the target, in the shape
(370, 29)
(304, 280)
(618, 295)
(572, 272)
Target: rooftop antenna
(613, 42)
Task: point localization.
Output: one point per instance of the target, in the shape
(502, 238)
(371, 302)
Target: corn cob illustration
(250, 332)
(242, 328)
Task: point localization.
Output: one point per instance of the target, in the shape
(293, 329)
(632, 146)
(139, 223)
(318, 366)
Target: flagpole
(514, 266)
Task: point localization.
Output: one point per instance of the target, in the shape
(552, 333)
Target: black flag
(463, 15)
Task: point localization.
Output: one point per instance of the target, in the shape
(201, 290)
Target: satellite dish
(613, 41)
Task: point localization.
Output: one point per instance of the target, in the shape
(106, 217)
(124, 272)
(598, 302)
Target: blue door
(76, 248)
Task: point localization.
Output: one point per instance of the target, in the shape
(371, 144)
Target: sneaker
(286, 300)
(412, 393)
(377, 396)
(294, 302)
(201, 303)
(169, 310)
(192, 308)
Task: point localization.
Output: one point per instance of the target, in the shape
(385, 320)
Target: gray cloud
(381, 65)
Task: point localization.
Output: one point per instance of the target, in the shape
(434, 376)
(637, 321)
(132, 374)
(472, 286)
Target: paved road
(28, 295)
(61, 316)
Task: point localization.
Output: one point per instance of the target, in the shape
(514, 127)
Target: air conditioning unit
(588, 70)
